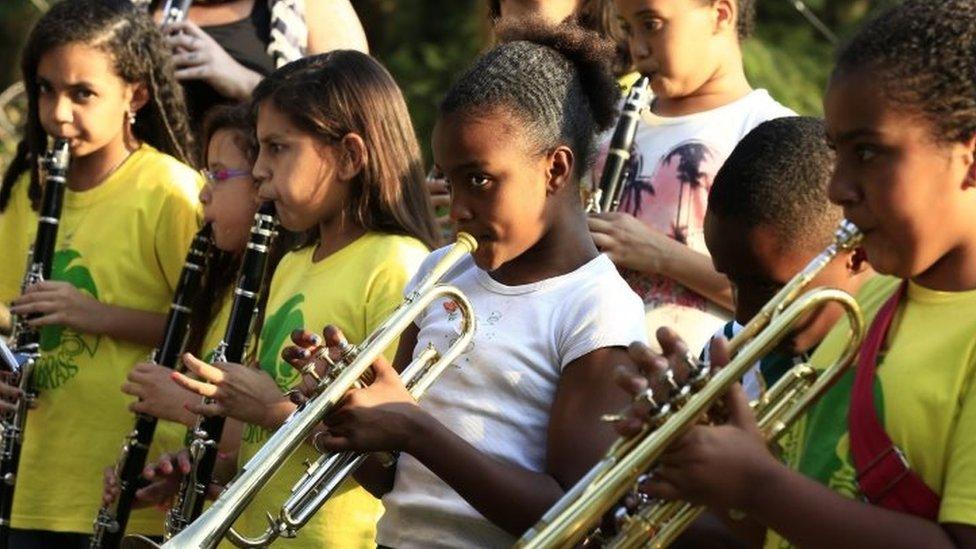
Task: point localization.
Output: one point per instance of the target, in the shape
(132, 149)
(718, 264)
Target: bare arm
(134, 326)
(373, 476)
(514, 498)
(831, 520)
(695, 270)
(633, 245)
(333, 25)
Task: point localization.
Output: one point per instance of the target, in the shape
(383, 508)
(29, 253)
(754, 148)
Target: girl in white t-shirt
(515, 420)
(703, 105)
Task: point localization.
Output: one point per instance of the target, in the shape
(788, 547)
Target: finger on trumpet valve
(309, 370)
(322, 353)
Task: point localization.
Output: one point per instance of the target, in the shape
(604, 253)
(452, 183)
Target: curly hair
(345, 91)
(136, 48)
(554, 78)
(922, 53)
(777, 177)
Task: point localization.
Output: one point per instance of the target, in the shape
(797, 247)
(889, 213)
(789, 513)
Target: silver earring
(132, 117)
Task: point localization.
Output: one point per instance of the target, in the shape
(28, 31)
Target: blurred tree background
(424, 43)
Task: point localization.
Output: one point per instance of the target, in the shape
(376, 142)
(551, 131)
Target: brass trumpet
(659, 523)
(211, 526)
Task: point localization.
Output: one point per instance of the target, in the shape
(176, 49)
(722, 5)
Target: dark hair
(777, 177)
(746, 24)
(599, 16)
(923, 56)
(342, 92)
(223, 265)
(237, 118)
(555, 79)
(136, 47)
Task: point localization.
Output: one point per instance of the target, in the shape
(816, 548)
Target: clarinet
(26, 338)
(606, 198)
(206, 435)
(112, 519)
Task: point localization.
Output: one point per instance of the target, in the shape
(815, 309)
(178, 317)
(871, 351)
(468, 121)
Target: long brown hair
(224, 266)
(138, 54)
(342, 92)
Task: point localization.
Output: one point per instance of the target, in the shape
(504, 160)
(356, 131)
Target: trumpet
(659, 523)
(349, 370)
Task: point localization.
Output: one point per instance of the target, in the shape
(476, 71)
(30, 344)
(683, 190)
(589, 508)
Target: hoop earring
(857, 260)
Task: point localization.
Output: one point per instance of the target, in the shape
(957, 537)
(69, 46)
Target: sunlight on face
(498, 187)
(81, 98)
(296, 171)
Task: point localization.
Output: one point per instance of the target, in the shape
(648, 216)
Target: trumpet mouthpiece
(467, 241)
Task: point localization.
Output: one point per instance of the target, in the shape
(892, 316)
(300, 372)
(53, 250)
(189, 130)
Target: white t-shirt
(498, 394)
(672, 165)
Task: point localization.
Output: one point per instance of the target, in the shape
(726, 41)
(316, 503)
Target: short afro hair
(777, 177)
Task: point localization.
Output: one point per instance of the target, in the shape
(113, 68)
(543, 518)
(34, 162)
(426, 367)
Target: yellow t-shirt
(355, 289)
(923, 392)
(122, 242)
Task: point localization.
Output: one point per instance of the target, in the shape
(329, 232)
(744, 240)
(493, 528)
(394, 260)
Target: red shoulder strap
(883, 473)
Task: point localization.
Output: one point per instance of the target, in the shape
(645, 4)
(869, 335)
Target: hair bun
(589, 53)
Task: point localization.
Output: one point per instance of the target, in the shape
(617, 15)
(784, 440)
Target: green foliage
(278, 327)
(63, 269)
(425, 43)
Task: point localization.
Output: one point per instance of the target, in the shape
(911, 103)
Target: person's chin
(486, 259)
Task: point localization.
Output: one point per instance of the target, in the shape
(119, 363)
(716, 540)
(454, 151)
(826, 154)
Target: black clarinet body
(26, 338)
(110, 524)
(611, 187)
(205, 438)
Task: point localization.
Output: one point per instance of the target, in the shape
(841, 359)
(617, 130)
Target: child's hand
(9, 394)
(110, 486)
(247, 394)
(158, 395)
(302, 356)
(62, 304)
(718, 466)
(379, 417)
(659, 372)
(629, 243)
(164, 478)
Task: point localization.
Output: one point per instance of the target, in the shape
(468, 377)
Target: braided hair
(922, 53)
(556, 80)
(136, 48)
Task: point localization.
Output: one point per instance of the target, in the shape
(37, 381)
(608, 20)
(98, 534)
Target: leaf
(78, 276)
(277, 329)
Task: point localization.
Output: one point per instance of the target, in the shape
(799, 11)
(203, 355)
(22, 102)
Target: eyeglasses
(218, 176)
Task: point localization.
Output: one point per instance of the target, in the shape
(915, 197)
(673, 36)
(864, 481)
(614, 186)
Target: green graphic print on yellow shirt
(924, 394)
(122, 242)
(61, 346)
(354, 289)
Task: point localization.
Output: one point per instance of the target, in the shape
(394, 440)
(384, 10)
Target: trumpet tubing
(570, 519)
(215, 522)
